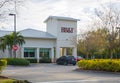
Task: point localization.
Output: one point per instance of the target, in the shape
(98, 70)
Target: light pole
(14, 32)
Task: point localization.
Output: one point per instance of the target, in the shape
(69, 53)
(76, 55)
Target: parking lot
(52, 73)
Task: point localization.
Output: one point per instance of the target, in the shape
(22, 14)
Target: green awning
(29, 50)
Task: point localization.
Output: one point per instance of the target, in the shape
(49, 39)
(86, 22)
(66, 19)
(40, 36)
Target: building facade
(58, 40)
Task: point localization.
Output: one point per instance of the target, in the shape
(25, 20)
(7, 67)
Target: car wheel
(74, 64)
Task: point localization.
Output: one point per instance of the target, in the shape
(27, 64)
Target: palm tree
(9, 40)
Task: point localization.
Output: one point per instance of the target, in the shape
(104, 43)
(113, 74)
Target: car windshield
(70, 57)
(79, 57)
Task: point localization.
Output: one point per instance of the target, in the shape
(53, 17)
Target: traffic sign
(15, 47)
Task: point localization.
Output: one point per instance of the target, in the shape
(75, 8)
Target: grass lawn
(6, 80)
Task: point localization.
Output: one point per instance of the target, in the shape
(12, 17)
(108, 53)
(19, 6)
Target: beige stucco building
(53, 43)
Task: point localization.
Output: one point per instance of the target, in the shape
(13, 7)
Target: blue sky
(34, 12)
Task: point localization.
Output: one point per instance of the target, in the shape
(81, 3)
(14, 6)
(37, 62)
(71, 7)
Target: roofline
(29, 29)
(61, 18)
(36, 37)
(40, 38)
(31, 37)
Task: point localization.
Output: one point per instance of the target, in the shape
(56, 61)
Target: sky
(33, 13)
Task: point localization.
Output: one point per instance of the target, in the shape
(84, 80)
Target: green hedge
(17, 62)
(21, 81)
(32, 60)
(42, 60)
(100, 64)
(45, 60)
(13, 81)
(3, 64)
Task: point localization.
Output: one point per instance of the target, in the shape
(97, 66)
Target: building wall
(32, 42)
(4, 54)
(64, 39)
(51, 26)
(64, 30)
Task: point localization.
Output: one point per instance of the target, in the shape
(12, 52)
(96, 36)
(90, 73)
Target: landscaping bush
(3, 64)
(21, 81)
(17, 62)
(45, 60)
(42, 60)
(32, 60)
(6, 81)
(100, 64)
(13, 81)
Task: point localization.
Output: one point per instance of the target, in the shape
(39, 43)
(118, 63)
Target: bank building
(60, 35)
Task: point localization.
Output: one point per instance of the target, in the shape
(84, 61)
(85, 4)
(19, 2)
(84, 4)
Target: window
(29, 52)
(44, 52)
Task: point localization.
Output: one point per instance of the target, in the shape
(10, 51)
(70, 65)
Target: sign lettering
(66, 30)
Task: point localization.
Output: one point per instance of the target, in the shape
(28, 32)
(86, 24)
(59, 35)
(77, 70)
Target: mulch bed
(3, 77)
(17, 81)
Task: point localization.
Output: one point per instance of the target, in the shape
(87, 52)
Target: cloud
(35, 12)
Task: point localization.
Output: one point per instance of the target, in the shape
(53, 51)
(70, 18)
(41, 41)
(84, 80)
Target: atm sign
(66, 30)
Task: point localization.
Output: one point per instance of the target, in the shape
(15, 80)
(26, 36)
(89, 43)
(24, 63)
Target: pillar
(52, 55)
(74, 52)
(57, 52)
(37, 55)
(22, 52)
(61, 51)
(65, 51)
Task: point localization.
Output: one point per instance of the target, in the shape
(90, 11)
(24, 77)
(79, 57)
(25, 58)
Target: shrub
(7, 81)
(100, 64)
(45, 60)
(32, 60)
(3, 64)
(17, 62)
(13, 81)
(42, 60)
(21, 81)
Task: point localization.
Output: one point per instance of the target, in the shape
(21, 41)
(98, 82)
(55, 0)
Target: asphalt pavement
(52, 73)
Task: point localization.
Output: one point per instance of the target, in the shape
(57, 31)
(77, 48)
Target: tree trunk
(111, 54)
(87, 55)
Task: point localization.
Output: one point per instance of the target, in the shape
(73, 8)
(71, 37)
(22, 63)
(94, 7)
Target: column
(22, 52)
(52, 55)
(61, 51)
(65, 51)
(57, 52)
(37, 55)
(74, 52)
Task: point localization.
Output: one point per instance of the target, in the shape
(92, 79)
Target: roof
(36, 34)
(61, 18)
(3, 33)
(31, 33)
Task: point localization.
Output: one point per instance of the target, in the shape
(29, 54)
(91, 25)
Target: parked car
(79, 58)
(65, 60)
